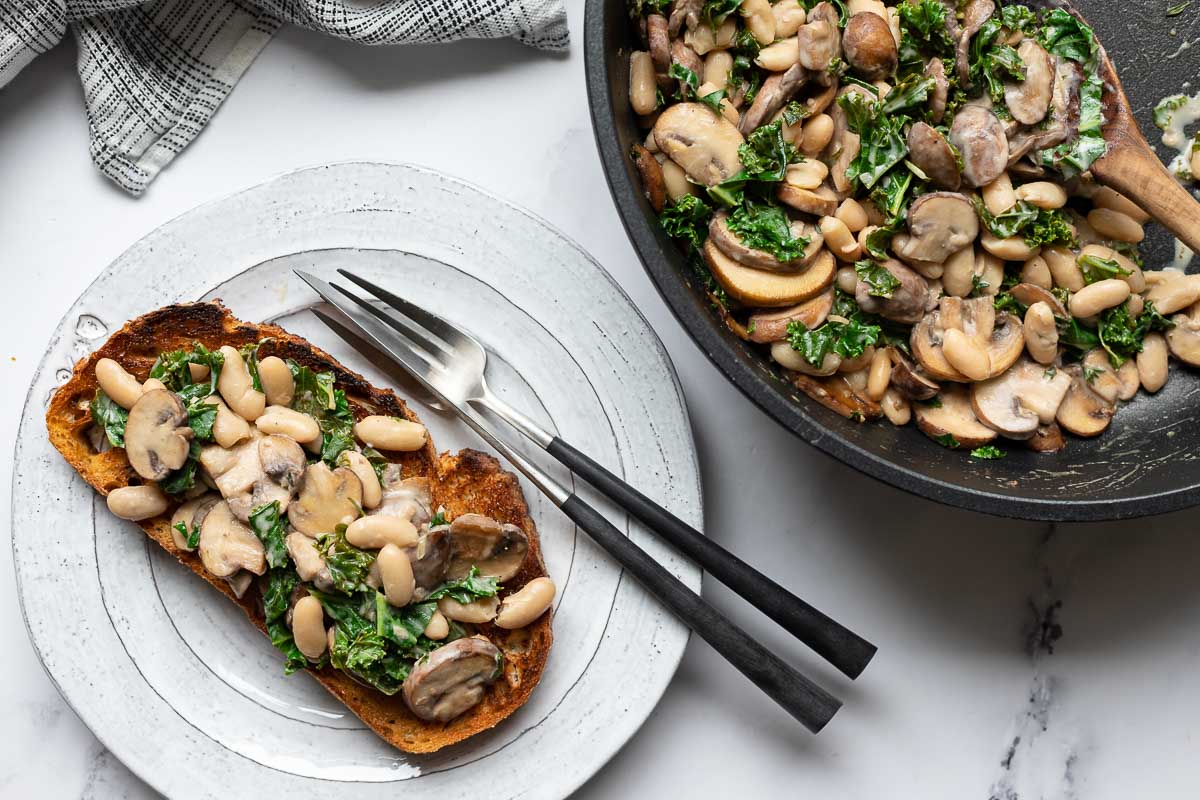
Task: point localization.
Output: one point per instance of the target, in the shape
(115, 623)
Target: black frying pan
(1147, 462)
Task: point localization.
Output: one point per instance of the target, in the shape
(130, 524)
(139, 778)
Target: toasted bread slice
(468, 481)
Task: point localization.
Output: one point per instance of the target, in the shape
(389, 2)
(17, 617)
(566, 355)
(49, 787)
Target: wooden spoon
(1132, 167)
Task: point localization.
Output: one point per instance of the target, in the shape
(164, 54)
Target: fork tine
(437, 326)
(429, 340)
(424, 350)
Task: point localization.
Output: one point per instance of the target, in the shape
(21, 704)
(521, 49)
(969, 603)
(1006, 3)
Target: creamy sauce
(1176, 136)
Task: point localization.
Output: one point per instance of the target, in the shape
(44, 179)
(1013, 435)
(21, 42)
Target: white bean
(789, 16)
(198, 372)
(1174, 294)
(998, 196)
(308, 627)
(1041, 333)
(818, 132)
(379, 530)
(478, 611)
(717, 66)
(726, 32)
(237, 388)
(807, 174)
(642, 87)
(357, 463)
(784, 355)
(958, 272)
(990, 269)
(880, 375)
(438, 627)
(1063, 268)
(395, 571)
(277, 381)
(965, 355)
(675, 180)
(228, 428)
(863, 360)
(1012, 248)
(779, 56)
(760, 20)
(137, 502)
(123, 388)
(1042, 194)
(1115, 225)
(847, 279)
(1036, 271)
(390, 433)
(852, 215)
(151, 384)
(1133, 273)
(839, 239)
(1130, 380)
(288, 422)
(1152, 362)
(1105, 197)
(525, 605)
(1093, 299)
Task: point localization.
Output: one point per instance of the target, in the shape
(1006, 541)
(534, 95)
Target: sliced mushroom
(497, 550)
(762, 289)
(974, 13)
(410, 498)
(817, 202)
(684, 12)
(1083, 412)
(836, 394)
(907, 380)
(772, 326)
(239, 474)
(1046, 439)
(282, 460)
(1029, 293)
(819, 45)
(1183, 340)
(1002, 335)
(653, 184)
(310, 564)
(953, 416)
(939, 225)
(191, 514)
(1029, 100)
(845, 145)
(941, 89)
(1021, 399)
(327, 498)
(776, 91)
(1103, 378)
(869, 46)
(227, 545)
(658, 41)
(239, 582)
(907, 303)
(732, 246)
(930, 151)
(703, 143)
(980, 140)
(686, 57)
(157, 439)
(452, 679)
(429, 558)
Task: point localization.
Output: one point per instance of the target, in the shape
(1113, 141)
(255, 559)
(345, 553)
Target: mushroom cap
(282, 460)
(430, 557)
(1020, 400)
(941, 89)
(1083, 412)
(836, 394)
(1029, 100)
(157, 439)
(817, 202)
(930, 151)
(1183, 340)
(1029, 293)
(227, 545)
(869, 46)
(908, 301)
(907, 380)
(327, 498)
(756, 287)
(653, 184)
(819, 44)
(1046, 439)
(452, 679)
(772, 326)
(731, 245)
(953, 415)
(703, 143)
(496, 550)
(939, 225)
(1001, 333)
(981, 141)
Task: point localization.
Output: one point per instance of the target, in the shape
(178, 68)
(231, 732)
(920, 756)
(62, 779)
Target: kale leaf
(687, 220)
(110, 417)
(1095, 268)
(764, 226)
(988, 451)
(269, 525)
(880, 282)
(1065, 36)
(348, 566)
(466, 589)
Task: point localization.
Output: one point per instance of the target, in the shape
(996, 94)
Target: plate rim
(693, 575)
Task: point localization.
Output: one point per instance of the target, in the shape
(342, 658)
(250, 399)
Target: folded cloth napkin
(154, 73)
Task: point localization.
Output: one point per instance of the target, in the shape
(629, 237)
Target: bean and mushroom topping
(894, 200)
(355, 569)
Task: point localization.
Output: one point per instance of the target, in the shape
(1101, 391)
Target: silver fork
(429, 358)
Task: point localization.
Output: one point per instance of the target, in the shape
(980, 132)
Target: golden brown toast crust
(468, 481)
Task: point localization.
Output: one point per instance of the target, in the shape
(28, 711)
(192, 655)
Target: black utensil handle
(803, 699)
(838, 645)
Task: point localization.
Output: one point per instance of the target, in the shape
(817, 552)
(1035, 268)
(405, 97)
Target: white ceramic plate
(171, 677)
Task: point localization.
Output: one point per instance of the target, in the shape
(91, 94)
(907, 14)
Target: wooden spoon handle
(1133, 169)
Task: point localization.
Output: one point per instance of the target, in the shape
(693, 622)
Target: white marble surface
(1015, 661)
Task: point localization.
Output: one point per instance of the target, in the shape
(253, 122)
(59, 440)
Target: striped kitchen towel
(154, 73)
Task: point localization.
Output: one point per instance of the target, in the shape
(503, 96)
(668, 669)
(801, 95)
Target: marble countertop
(1016, 660)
